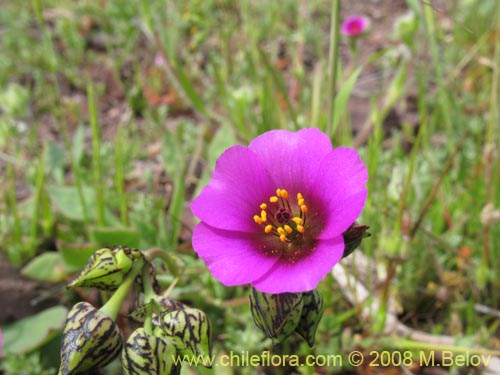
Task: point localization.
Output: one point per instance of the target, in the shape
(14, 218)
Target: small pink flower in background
(159, 60)
(274, 212)
(355, 26)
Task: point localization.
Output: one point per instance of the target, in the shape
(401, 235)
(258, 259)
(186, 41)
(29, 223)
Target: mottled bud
(145, 354)
(353, 237)
(158, 305)
(190, 331)
(90, 340)
(107, 268)
(277, 315)
(312, 311)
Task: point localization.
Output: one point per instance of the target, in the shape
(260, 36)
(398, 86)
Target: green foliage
(101, 145)
(30, 333)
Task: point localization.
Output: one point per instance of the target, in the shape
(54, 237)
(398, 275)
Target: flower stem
(169, 260)
(112, 307)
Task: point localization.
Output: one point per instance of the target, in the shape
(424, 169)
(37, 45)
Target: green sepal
(146, 354)
(107, 268)
(90, 340)
(277, 315)
(312, 311)
(190, 331)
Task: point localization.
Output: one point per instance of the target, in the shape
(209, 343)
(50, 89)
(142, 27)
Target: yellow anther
(299, 196)
(303, 208)
(263, 206)
(268, 228)
(282, 238)
(281, 231)
(300, 202)
(284, 194)
(273, 199)
(263, 216)
(278, 192)
(288, 229)
(300, 228)
(257, 219)
(297, 220)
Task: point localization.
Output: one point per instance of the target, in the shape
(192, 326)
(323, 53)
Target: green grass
(97, 144)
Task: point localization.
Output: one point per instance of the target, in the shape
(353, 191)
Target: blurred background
(112, 114)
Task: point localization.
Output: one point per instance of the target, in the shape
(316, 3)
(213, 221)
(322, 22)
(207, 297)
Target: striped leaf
(190, 331)
(277, 315)
(90, 340)
(312, 311)
(107, 268)
(145, 354)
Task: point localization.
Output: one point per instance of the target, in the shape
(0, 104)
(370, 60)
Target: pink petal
(292, 159)
(341, 189)
(233, 258)
(305, 274)
(238, 186)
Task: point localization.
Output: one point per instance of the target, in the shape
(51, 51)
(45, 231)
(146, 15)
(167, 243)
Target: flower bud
(277, 315)
(146, 354)
(159, 305)
(107, 268)
(353, 237)
(190, 331)
(312, 311)
(90, 340)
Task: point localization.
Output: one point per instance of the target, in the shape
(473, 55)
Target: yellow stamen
(282, 238)
(257, 219)
(299, 196)
(263, 216)
(297, 220)
(263, 206)
(278, 192)
(300, 202)
(273, 199)
(303, 208)
(268, 228)
(284, 194)
(281, 231)
(300, 228)
(288, 229)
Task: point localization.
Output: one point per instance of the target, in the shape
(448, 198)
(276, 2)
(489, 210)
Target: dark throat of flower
(286, 220)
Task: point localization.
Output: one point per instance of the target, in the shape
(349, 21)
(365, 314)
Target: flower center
(283, 219)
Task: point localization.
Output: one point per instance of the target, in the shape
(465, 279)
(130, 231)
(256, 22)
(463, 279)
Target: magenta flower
(355, 26)
(274, 212)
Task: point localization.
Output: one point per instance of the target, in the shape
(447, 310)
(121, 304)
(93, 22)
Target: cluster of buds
(170, 330)
(280, 315)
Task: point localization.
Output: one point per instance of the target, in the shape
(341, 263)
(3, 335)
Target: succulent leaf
(107, 268)
(277, 315)
(312, 311)
(189, 330)
(90, 340)
(145, 354)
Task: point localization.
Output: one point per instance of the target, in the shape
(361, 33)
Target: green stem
(112, 307)
(96, 151)
(169, 259)
(149, 295)
(333, 63)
